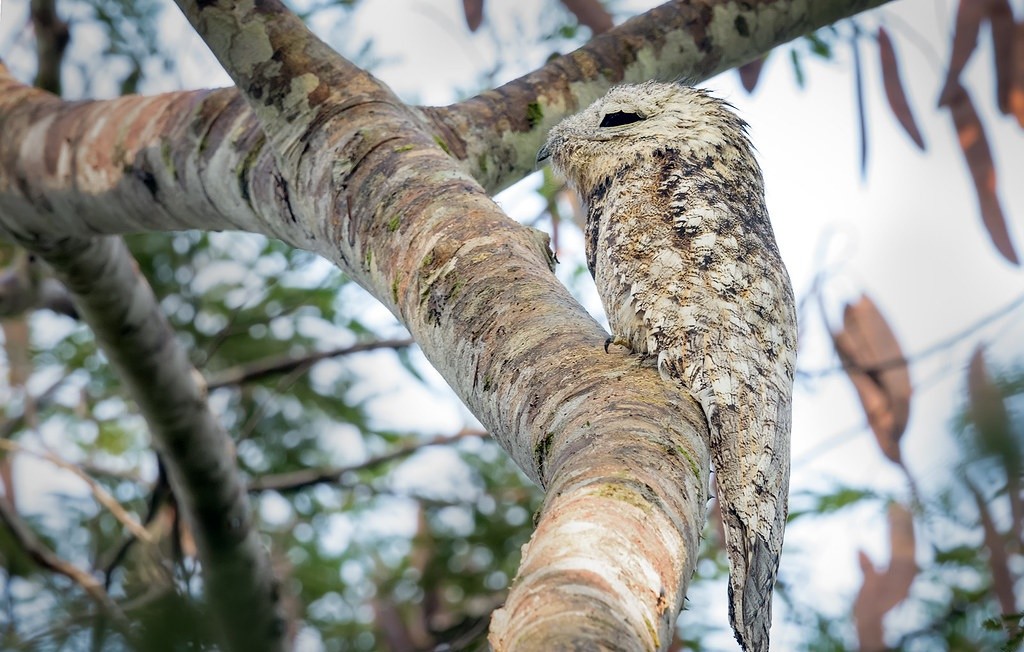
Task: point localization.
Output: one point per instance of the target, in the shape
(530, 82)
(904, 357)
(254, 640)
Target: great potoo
(680, 246)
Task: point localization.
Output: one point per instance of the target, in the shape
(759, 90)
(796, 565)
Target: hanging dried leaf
(902, 565)
(990, 417)
(979, 160)
(17, 347)
(1000, 17)
(392, 626)
(883, 590)
(1015, 93)
(995, 433)
(969, 15)
(474, 11)
(590, 13)
(998, 562)
(894, 88)
(409, 629)
(876, 367)
(751, 72)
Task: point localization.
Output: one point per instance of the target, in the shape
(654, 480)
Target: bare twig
(45, 557)
(11, 425)
(160, 494)
(240, 374)
(282, 387)
(101, 494)
(308, 477)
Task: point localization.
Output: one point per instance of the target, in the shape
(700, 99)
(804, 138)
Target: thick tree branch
(496, 134)
(123, 312)
(189, 160)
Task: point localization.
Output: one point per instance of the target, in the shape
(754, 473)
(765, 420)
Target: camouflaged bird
(680, 246)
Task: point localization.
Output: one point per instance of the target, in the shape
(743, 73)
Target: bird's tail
(752, 570)
(752, 473)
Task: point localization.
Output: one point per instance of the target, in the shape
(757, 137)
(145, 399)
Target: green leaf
(794, 57)
(829, 503)
(819, 46)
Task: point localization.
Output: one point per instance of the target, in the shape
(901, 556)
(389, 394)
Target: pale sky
(910, 236)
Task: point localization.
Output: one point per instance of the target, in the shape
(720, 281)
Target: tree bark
(329, 160)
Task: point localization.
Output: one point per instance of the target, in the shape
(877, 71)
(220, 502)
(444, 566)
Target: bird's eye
(620, 118)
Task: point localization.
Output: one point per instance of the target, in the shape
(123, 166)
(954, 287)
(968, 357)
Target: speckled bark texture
(315, 152)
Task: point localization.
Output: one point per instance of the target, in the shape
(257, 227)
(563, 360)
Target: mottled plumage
(680, 246)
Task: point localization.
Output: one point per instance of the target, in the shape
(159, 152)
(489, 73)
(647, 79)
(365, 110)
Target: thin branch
(161, 493)
(937, 347)
(102, 495)
(246, 373)
(12, 424)
(309, 477)
(45, 557)
(52, 38)
(282, 386)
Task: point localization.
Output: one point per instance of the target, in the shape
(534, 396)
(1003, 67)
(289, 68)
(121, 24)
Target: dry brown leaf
(902, 564)
(894, 91)
(474, 11)
(1015, 93)
(995, 433)
(978, 156)
(870, 633)
(876, 367)
(969, 15)
(17, 347)
(392, 626)
(590, 13)
(990, 417)
(750, 73)
(884, 589)
(1000, 17)
(998, 562)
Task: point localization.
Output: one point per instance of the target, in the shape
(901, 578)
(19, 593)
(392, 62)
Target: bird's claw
(615, 340)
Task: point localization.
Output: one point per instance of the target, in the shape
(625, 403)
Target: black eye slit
(620, 118)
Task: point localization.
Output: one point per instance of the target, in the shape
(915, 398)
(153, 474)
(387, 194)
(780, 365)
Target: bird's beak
(545, 152)
(550, 145)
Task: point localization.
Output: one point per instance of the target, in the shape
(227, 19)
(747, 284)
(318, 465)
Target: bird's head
(635, 122)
